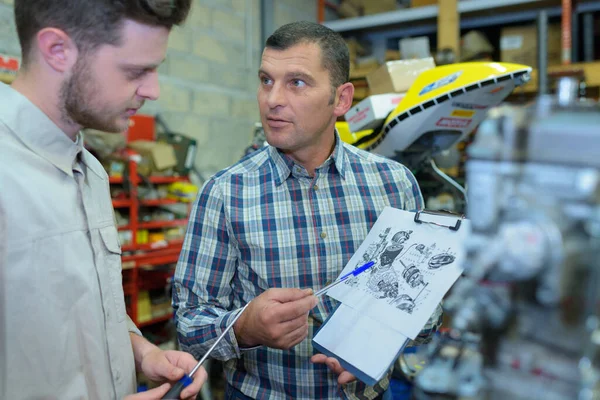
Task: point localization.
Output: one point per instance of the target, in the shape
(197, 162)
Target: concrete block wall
(209, 79)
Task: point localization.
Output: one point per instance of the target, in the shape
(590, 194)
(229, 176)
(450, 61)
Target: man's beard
(76, 99)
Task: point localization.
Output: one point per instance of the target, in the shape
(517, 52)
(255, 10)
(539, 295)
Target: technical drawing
(374, 249)
(402, 269)
(414, 265)
(413, 276)
(383, 280)
(404, 302)
(440, 260)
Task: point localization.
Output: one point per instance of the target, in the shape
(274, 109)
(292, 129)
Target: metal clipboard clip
(442, 213)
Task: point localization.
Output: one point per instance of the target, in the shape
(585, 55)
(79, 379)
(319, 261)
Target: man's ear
(344, 95)
(56, 49)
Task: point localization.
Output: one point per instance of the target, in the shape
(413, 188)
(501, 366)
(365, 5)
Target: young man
(84, 64)
(283, 219)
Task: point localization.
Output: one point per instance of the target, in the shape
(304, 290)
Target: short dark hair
(91, 23)
(335, 56)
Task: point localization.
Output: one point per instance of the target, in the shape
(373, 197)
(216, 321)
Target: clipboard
(392, 352)
(421, 217)
(397, 322)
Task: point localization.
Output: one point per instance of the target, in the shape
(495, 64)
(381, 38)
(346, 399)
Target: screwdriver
(175, 392)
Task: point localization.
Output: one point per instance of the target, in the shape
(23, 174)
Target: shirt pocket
(112, 264)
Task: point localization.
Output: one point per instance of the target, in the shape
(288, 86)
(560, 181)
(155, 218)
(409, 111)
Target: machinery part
(525, 321)
(446, 179)
(413, 276)
(404, 302)
(439, 260)
(443, 106)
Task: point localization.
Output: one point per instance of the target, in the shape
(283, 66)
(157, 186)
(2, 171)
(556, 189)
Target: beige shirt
(67, 332)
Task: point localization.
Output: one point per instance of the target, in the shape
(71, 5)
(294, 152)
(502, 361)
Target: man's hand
(153, 394)
(277, 318)
(334, 365)
(160, 366)
(170, 365)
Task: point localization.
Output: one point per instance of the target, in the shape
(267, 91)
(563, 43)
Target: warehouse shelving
(137, 256)
(590, 70)
(379, 29)
(473, 13)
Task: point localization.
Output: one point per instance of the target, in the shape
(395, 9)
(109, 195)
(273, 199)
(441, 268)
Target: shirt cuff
(132, 328)
(232, 339)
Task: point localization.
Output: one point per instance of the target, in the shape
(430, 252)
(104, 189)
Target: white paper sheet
(415, 265)
(366, 344)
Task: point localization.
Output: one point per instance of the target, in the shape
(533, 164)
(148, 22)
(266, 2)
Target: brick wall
(209, 80)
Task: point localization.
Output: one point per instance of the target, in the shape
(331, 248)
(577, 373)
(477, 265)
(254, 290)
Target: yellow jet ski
(442, 107)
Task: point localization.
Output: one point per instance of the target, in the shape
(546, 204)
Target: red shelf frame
(177, 244)
(162, 224)
(157, 202)
(121, 203)
(156, 320)
(145, 255)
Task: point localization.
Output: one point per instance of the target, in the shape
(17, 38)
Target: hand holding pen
(277, 318)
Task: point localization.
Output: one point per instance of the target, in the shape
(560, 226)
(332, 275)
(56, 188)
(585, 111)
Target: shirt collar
(37, 131)
(284, 165)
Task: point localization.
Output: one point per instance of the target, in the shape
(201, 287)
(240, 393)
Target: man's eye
(298, 83)
(136, 74)
(265, 81)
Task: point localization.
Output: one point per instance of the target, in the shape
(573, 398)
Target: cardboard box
(378, 6)
(519, 45)
(414, 48)
(156, 156)
(355, 48)
(360, 92)
(348, 10)
(421, 3)
(397, 76)
(371, 112)
(475, 46)
(185, 152)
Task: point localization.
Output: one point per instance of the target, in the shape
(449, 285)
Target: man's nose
(150, 88)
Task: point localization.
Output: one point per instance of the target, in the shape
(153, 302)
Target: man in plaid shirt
(282, 222)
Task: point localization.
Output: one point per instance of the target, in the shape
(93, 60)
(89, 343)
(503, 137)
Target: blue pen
(350, 274)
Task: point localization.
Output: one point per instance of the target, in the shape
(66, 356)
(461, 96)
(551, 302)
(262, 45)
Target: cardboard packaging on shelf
(518, 45)
(371, 112)
(397, 76)
(421, 3)
(156, 156)
(414, 48)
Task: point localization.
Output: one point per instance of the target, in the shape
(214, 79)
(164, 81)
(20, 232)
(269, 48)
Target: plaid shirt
(265, 223)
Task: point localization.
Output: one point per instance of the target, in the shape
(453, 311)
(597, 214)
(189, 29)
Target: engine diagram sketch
(415, 265)
(439, 260)
(404, 302)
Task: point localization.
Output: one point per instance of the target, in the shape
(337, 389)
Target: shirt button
(323, 235)
(118, 375)
(316, 187)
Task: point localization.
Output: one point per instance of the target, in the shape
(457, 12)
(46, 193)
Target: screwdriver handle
(175, 392)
